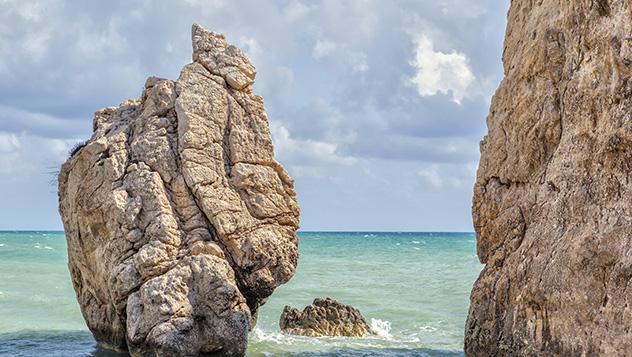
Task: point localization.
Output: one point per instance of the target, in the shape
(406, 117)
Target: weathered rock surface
(324, 317)
(553, 198)
(179, 221)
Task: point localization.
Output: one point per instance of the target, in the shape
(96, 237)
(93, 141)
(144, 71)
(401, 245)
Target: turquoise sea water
(412, 287)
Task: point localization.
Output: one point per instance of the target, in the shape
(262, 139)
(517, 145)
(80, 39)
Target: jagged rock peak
(221, 58)
(180, 223)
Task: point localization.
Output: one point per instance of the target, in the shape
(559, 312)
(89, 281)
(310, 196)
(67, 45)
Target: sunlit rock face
(553, 197)
(179, 221)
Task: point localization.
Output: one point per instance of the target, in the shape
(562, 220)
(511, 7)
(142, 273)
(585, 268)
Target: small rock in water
(325, 317)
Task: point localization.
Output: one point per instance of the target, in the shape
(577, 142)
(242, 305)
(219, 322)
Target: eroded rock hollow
(179, 221)
(553, 197)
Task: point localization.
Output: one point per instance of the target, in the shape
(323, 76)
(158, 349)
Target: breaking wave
(382, 328)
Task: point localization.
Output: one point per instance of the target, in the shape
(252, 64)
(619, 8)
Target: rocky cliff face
(553, 198)
(179, 221)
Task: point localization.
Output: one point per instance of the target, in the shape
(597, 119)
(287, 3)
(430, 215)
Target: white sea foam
(277, 337)
(416, 242)
(427, 328)
(382, 328)
(271, 336)
(40, 246)
(417, 248)
(2, 245)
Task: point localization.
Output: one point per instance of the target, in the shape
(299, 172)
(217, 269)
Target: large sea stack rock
(325, 317)
(553, 198)
(179, 221)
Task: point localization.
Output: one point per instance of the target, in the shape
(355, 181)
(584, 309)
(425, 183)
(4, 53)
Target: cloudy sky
(376, 107)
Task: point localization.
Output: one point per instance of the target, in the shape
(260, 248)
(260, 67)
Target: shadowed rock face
(325, 317)
(553, 198)
(179, 221)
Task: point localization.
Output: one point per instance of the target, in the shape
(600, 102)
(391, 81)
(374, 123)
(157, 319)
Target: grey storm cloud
(347, 84)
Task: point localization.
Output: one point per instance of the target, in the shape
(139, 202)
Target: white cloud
(35, 123)
(453, 176)
(9, 155)
(17, 45)
(22, 155)
(9, 142)
(94, 44)
(431, 175)
(324, 48)
(312, 150)
(252, 48)
(358, 62)
(35, 45)
(306, 157)
(27, 9)
(295, 10)
(438, 72)
(463, 8)
(212, 4)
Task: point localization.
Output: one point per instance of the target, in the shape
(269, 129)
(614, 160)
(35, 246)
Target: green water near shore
(412, 287)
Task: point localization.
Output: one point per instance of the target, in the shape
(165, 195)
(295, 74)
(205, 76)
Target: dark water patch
(52, 344)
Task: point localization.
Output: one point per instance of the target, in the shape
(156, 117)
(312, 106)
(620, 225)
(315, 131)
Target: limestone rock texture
(179, 221)
(324, 317)
(552, 204)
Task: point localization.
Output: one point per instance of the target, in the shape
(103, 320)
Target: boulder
(180, 223)
(324, 317)
(553, 197)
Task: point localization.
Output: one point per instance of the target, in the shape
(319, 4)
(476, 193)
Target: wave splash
(382, 328)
